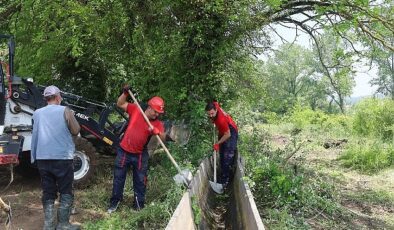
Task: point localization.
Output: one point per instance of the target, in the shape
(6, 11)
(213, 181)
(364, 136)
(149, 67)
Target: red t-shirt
(137, 132)
(223, 120)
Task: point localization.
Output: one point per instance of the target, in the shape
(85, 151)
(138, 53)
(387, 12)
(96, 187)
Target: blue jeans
(139, 163)
(56, 176)
(227, 156)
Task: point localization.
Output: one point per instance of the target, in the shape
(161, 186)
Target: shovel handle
(157, 136)
(214, 155)
(4, 206)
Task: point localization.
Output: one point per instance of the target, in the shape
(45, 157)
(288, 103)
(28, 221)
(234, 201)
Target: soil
(24, 196)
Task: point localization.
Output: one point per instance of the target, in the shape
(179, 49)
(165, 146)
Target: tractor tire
(84, 162)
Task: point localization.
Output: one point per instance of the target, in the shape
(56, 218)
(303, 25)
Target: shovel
(218, 188)
(183, 176)
(6, 208)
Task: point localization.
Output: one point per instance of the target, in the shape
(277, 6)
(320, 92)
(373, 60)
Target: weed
(375, 118)
(286, 198)
(368, 156)
(196, 211)
(371, 197)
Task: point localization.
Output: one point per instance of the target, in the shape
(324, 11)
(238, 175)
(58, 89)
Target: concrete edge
(244, 200)
(182, 218)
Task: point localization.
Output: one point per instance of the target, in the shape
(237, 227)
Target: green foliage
(303, 117)
(368, 157)
(288, 79)
(271, 117)
(279, 186)
(196, 211)
(285, 194)
(283, 219)
(335, 66)
(378, 197)
(374, 118)
(182, 51)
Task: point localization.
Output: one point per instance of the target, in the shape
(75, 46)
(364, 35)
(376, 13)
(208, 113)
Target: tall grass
(375, 118)
(368, 156)
(287, 196)
(314, 123)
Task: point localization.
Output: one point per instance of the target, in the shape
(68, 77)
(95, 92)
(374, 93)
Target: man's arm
(162, 136)
(158, 129)
(225, 137)
(33, 147)
(72, 123)
(122, 101)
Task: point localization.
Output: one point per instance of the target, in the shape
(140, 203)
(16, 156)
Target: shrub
(374, 117)
(368, 157)
(275, 184)
(271, 117)
(303, 117)
(285, 195)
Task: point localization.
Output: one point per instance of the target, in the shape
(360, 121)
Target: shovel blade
(218, 188)
(185, 177)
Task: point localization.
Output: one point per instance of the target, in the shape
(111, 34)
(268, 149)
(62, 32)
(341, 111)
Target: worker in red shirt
(133, 149)
(228, 137)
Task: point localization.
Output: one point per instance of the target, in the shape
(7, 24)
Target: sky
(363, 75)
(362, 78)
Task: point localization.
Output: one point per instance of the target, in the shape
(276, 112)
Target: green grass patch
(371, 197)
(375, 118)
(368, 157)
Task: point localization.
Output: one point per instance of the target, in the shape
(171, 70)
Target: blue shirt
(51, 139)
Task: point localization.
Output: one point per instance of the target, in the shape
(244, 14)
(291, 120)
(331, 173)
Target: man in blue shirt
(52, 147)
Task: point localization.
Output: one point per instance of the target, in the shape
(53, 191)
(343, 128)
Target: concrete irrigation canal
(201, 208)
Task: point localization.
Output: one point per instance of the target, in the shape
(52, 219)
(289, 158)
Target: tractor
(20, 97)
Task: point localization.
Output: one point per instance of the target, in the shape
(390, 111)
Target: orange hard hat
(157, 103)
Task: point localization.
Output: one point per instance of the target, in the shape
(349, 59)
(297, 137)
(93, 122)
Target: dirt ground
(24, 195)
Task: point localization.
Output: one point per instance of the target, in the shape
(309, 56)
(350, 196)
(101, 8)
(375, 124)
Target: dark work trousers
(57, 176)
(139, 163)
(227, 152)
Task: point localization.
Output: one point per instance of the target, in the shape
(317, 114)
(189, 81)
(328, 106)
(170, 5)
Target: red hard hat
(157, 103)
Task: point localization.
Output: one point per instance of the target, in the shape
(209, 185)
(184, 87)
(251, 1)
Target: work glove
(155, 131)
(126, 89)
(216, 147)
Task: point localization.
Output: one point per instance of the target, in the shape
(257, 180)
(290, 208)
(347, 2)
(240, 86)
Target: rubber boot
(63, 213)
(49, 214)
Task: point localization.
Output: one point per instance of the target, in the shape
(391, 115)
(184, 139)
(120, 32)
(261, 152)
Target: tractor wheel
(84, 162)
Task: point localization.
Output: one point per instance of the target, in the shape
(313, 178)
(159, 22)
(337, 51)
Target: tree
(385, 79)
(289, 78)
(174, 48)
(334, 64)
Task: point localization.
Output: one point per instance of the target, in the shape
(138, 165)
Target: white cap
(51, 90)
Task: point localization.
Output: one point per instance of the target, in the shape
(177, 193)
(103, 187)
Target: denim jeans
(57, 176)
(139, 164)
(227, 156)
